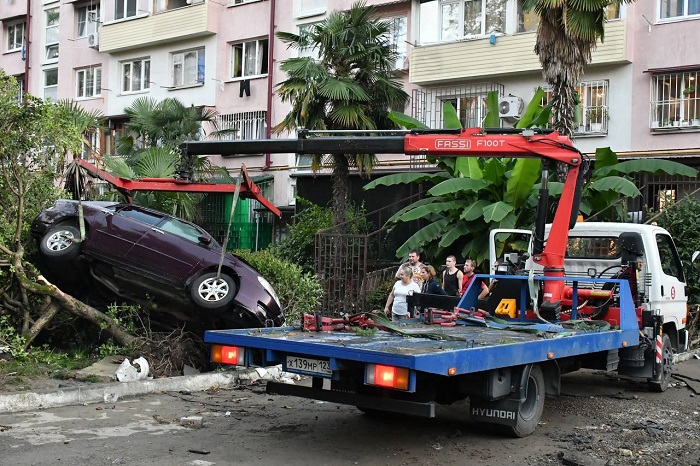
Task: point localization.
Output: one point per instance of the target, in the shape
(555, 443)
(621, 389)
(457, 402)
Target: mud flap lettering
(494, 412)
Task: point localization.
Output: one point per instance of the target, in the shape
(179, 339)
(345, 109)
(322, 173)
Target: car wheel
(211, 292)
(60, 242)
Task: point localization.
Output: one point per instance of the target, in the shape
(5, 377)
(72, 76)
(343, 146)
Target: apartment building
(638, 95)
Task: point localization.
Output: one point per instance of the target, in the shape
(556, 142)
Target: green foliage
(10, 340)
(679, 221)
(298, 245)
(299, 292)
(376, 299)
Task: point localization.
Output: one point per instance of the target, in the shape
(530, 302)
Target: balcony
(511, 54)
(168, 26)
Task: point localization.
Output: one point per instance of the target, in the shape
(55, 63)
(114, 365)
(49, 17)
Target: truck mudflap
(412, 408)
(503, 412)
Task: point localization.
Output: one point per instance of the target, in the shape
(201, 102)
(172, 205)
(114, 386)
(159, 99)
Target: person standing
(415, 264)
(452, 277)
(469, 268)
(430, 284)
(397, 298)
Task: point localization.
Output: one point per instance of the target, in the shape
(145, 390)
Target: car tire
(60, 242)
(210, 292)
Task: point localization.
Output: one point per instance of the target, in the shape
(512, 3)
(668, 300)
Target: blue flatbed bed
(474, 349)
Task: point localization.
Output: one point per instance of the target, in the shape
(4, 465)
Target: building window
(89, 82)
(124, 9)
(136, 75)
(241, 2)
(246, 125)
(593, 111)
(678, 8)
(165, 5)
(187, 68)
(88, 19)
(20, 91)
(397, 38)
(15, 37)
(51, 84)
(675, 101)
(468, 100)
(311, 52)
(52, 17)
(303, 8)
(451, 20)
(249, 59)
(528, 21)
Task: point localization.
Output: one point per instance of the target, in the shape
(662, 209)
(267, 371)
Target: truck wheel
(530, 409)
(211, 292)
(60, 242)
(663, 378)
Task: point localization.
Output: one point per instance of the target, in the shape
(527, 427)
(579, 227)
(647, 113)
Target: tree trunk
(41, 286)
(562, 58)
(341, 190)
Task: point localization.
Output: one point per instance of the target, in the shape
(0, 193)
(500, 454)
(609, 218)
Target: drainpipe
(270, 69)
(27, 41)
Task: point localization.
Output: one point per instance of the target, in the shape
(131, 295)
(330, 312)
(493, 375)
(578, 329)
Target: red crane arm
(248, 190)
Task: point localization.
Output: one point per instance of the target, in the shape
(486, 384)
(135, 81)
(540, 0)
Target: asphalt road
(603, 419)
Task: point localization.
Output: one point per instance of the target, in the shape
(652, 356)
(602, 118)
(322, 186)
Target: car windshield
(182, 229)
(149, 218)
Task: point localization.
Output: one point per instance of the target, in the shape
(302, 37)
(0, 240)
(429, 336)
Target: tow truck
(560, 307)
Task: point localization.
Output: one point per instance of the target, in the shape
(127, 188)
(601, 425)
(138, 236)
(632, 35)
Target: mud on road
(598, 420)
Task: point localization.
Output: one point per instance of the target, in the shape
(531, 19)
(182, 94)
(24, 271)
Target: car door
(171, 250)
(116, 229)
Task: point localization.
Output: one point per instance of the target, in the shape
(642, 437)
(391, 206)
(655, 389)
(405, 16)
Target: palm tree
(150, 149)
(351, 85)
(166, 124)
(566, 37)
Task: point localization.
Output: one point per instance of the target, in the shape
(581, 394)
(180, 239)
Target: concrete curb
(110, 392)
(680, 357)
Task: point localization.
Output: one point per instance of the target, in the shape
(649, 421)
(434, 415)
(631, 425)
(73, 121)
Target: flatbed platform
(476, 349)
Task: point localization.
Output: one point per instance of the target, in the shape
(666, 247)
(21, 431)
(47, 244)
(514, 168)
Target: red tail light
(233, 355)
(387, 376)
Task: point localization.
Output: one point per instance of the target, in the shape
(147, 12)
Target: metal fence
(352, 265)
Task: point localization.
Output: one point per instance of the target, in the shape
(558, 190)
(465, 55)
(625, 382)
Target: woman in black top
(430, 285)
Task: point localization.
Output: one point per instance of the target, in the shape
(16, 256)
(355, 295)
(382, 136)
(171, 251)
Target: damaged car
(134, 252)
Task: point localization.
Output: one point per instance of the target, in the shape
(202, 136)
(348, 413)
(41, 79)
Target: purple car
(133, 251)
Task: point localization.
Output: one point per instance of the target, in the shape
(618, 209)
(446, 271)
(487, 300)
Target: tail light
(387, 376)
(234, 355)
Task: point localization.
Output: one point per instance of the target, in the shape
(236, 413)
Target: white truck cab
(600, 249)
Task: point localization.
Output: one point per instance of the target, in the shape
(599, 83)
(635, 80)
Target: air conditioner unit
(510, 107)
(94, 40)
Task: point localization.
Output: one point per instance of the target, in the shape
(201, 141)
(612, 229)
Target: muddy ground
(598, 420)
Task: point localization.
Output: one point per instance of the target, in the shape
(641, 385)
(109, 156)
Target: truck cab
(645, 255)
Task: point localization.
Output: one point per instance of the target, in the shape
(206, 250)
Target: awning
(672, 69)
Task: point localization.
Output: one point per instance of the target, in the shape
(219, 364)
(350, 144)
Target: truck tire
(530, 409)
(60, 242)
(210, 292)
(663, 379)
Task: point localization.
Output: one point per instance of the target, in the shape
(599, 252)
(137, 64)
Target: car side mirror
(205, 240)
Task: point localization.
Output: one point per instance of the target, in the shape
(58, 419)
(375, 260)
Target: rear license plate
(309, 366)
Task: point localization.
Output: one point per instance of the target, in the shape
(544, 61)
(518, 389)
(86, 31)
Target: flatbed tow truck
(560, 318)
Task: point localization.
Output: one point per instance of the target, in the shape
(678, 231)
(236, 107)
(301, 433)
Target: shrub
(298, 245)
(680, 223)
(300, 292)
(376, 299)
